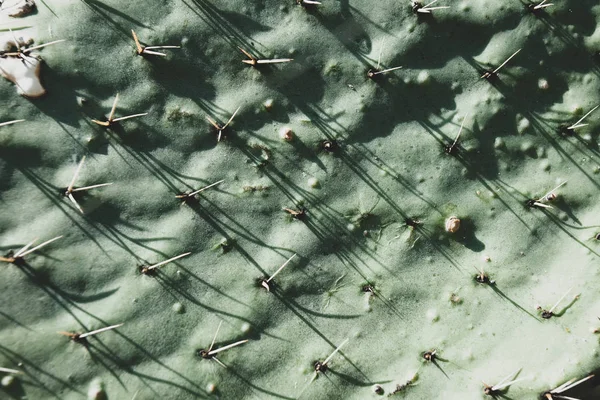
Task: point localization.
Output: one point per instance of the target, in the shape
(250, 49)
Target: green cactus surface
(439, 223)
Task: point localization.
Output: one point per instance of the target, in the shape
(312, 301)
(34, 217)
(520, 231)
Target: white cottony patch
(24, 74)
(17, 8)
(432, 315)
(24, 70)
(96, 390)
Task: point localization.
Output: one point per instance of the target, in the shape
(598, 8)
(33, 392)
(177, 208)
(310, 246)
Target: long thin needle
(129, 117)
(219, 362)
(577, 124)
(153, 53)
(550, 192)
(335, 351)
(213, 123)
(24, 248)
(163, 47)
(168, 261)
(81, 189)
(538, 204)
(568, 385)
(215, 337)
(204, 188)
(75, 203)
(11, 122)
(231, 119)
(507, 60)
(39, 246)
(559, 300)
(282, 267)
(15, 39)
(430, 9)
(229, 346)
(460, 130)
(114, 108)
(542, 5)
(275, 61)
(427, 10)
(503, 384)
(70, 187)
(380, 51)
(30, 49)
(138, 46)
(497, 386)
(386, 70)
(507, 384)
(10, 371)
(108, 328)
(246, 54)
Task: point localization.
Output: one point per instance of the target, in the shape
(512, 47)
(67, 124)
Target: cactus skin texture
(357, 175)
